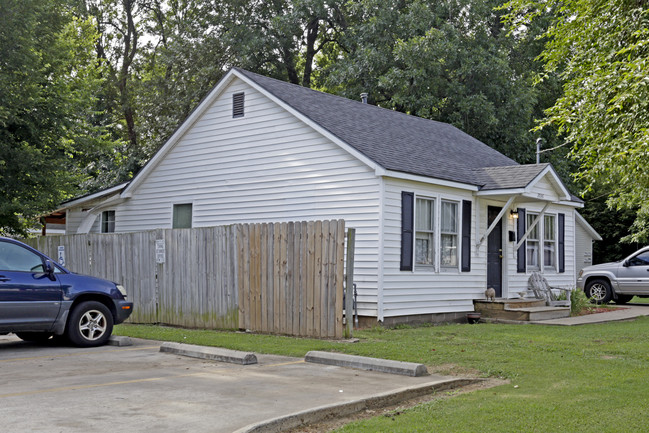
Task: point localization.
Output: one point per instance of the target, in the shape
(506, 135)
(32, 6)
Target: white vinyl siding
(267, 166)
(413, 293)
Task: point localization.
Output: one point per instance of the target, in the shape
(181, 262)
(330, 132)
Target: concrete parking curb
(211, 353)
(338, 410)
(120, 341)
(365, 363)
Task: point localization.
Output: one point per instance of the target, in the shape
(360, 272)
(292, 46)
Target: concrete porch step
(524, 310)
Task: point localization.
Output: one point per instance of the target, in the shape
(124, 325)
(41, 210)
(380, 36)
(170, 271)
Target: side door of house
(495, 252)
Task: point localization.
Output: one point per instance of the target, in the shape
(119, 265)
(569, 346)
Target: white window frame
(436, 234)
(547, 242)
(107, 221)
(541, 241)
(429, 233)
(176, 206)
(455, 235)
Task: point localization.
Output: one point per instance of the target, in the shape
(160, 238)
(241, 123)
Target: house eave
(91, 197)
(428, 180)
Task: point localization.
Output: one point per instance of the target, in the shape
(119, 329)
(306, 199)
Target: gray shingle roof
(394, 140)
(508, 177)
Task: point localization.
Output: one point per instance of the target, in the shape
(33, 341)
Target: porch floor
(520, 310)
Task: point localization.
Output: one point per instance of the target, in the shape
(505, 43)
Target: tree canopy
(49, 80)
(92, 88)
(600, 49)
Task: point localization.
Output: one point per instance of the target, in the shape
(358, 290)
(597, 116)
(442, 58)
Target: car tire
(599, 291)
(623, 299)
(35, 337)
(90, 324)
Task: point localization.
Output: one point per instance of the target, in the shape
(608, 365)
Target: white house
(439, 215)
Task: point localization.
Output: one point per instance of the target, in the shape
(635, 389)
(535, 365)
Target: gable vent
(237, 104)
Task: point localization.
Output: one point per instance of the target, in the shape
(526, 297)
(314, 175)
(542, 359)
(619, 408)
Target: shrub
(578, 301)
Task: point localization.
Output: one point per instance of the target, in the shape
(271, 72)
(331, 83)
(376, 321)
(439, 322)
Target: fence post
(349, 283)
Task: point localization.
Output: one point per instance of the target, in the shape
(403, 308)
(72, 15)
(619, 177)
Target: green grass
(562, 379)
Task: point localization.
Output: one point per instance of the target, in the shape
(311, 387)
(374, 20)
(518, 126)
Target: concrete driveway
(49, 388)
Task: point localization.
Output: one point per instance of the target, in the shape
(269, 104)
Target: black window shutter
(521, 259)
(562, 242)
(466, 236)
(407, 234)
(237, 104)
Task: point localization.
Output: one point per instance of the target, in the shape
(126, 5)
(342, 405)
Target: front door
(495, 252)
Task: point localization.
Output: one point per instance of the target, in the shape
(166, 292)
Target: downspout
(379, 295)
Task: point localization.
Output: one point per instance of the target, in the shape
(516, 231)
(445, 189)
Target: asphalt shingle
(394, 140)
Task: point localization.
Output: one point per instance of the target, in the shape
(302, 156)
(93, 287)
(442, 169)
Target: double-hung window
(425, 233)
(533, 243)
(449, 233)
(108, 221)
(549, 242)
(435, 234)
(542, 238)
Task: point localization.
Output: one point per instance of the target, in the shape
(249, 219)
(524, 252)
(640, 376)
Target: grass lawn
(592, 378)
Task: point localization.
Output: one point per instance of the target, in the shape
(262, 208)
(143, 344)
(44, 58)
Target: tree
(447, 61)
(48, 79)
(600, 48)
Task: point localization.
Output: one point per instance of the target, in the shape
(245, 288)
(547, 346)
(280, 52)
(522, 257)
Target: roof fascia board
(182, 129)
(511, 191)
(99, 194)
(314, 125)
(429, 180)
(591, 231)
(570, 203)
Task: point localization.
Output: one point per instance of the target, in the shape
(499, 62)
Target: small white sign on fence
(160, 251)
(61, 255)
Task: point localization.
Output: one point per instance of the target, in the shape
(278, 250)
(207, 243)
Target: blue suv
(40, 299)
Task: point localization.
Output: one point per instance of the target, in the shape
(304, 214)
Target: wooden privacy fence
(291, 278)
(283, 278)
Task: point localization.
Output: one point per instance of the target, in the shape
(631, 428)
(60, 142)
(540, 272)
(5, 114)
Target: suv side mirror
(49, 270)
(626, 264)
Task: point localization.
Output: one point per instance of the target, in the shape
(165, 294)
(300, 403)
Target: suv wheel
(90, 324)
(599, 291)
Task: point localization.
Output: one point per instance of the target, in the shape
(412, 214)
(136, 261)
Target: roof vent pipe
(364, 98)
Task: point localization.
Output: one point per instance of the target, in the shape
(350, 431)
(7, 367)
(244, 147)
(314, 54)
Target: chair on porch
(542, 290)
